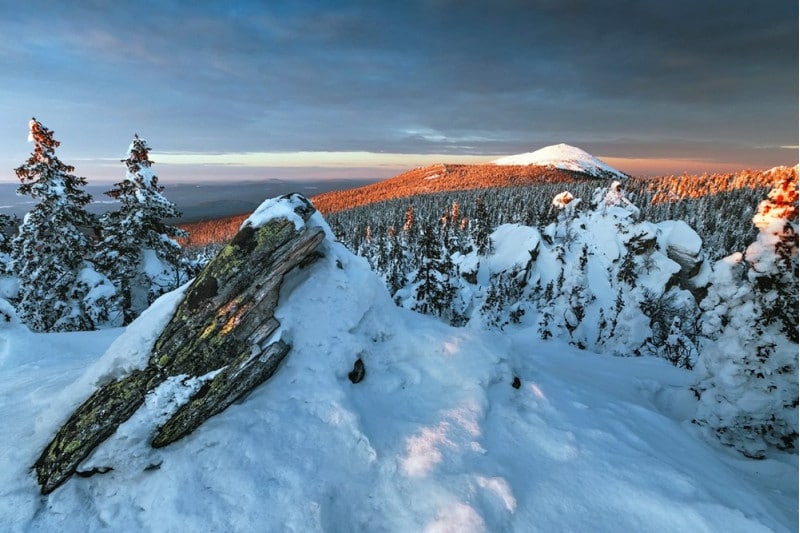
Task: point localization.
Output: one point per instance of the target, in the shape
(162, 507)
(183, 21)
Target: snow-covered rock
(565, 157)
(683, 245)
(220, 342)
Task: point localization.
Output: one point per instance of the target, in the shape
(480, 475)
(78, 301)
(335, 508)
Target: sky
(352, 89)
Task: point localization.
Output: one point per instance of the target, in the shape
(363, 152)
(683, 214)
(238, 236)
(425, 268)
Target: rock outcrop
(222, 332)
(684, 246)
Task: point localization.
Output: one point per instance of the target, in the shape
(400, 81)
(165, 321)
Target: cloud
(464, 77)
(314, 159)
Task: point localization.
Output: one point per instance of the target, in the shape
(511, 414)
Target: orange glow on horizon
(665, 166)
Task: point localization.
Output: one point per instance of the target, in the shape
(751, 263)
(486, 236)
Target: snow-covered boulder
(683, 245)
(222, 340)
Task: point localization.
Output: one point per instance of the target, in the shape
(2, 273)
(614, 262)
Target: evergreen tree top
(141, 183)
(43, 175)
(138, 155)
(143, 204)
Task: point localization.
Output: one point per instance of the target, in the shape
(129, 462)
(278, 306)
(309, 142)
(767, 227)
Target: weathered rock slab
(225, 324)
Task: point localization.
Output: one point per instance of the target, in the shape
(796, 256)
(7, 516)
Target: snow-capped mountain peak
(565, 157)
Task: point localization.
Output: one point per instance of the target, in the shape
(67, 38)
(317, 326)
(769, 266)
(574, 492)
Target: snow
(130, 351)
(9, 286)
(679, 236)
(277, 208)
(562, 199)
(8, 315)
(434, 438)
(565, 157)
(512, 243)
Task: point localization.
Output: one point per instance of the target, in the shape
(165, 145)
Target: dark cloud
(678, 77)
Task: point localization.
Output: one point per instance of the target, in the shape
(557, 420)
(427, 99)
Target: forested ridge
(522, 194)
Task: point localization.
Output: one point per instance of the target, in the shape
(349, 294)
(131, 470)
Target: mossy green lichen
(241, 375)
(71, 446)
(94, 421)
(274, 233)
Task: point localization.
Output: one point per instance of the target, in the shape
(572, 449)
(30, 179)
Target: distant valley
(197, 202)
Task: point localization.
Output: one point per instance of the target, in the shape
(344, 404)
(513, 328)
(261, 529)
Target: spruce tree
(481, 227)
(8, 226)
(138, 251)
(49, 250)
(408, 224)
(434, 294)
(397, 268)
(8, 284)
(678, 349)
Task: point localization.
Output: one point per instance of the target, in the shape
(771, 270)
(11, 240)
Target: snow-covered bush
(747, 372)
(100, 298)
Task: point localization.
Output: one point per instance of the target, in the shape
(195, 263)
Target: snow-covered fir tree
(8, 226)
(58, 289)
(480, 227)
(408, 223)
(747, 371)
(9, 284)
(397, 267)
(138, 251)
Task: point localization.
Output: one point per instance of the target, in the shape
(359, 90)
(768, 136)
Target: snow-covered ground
(435, 438)
(565, 157)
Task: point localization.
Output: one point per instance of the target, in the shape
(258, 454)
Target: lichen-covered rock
(224, 325)
(234, 381)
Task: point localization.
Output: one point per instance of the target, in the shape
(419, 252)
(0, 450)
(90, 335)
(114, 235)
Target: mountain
(445, 177)
(451, 429)
(565, 157)
(418, 181)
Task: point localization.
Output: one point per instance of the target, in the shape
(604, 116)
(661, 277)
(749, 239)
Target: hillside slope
(439, 436)
(418, 181)
(650, 192)
(442, 177)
